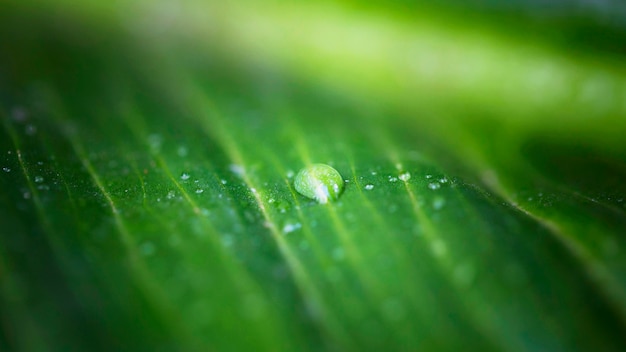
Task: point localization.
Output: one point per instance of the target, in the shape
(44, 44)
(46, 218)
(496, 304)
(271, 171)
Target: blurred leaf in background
(148, 152)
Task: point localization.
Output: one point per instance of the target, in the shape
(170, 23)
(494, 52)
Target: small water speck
(438, 203)
(147, 248)
(393, 179)
(443, 180)
(374, 173)
(31, 129)
(38, 179)
(199, 191)
(155, 141)
(253, 190)
(434, 185)
(237, 169)
(184, 176)
(288, 228)
(171, 194)
(19, 114)
(369, 187)
(182, 151)
(26, 195)
(429, 176)
(405, 176)
(223, 182)
(290, 174)
(6, 169)
(271, 200)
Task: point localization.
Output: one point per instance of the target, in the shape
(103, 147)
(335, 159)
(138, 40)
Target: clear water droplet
(320, 182)
(393, 179)
(288, 228)
(155, 141)
(223, 182)
(429, 176)
(369, 187)
(38, 179)
(31, 129)
(184, 176)
(434, 185)
(171, 194)
(237, 169)
(438, 203)
(182, 151)
(199, 191)
(405, 176)
(6, 169)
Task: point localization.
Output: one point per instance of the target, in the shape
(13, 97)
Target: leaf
(148, 199)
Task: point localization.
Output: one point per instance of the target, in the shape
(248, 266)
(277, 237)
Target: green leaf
(148, 161)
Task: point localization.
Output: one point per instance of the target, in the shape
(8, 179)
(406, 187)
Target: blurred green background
(148, 150)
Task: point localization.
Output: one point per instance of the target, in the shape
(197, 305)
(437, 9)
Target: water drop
(182, 151)
(199, 191)
(405, 176)
(38, 179)
(223, 182)
(290, 174)
(184, 176)
(31, 130)
(155, 141)
(320, 182)
(171, 194)
(443, 180)
(6, 169)
(237, 169)
(393, 179)
(438, 203)
(429, 176)
(288, 228)
(434, 185)
(369, 187)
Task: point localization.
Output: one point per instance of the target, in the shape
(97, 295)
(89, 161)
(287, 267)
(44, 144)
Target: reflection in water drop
(184, 176)
(369, 187)
(38, 179)
(405, 176)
